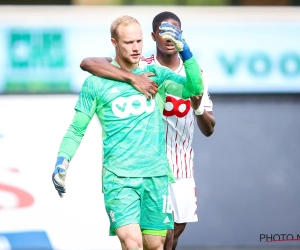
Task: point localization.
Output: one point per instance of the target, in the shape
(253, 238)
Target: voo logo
(136, 104)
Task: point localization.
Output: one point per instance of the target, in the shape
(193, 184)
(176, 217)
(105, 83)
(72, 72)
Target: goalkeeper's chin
(135, 59)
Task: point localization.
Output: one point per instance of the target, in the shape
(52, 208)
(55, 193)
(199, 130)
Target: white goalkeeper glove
(59, 175)
(172, 33)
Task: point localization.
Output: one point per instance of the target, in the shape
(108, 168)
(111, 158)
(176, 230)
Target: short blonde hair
(122, 20)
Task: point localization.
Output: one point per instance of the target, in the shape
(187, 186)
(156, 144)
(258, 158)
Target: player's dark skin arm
(102, 67)
(206, 122)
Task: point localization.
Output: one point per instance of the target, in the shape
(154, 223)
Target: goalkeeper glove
(170, 32)
(59, 175)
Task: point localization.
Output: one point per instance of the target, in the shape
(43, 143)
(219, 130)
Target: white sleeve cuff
(200, 110)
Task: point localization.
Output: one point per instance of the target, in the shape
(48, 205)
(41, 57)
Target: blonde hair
(122, 20)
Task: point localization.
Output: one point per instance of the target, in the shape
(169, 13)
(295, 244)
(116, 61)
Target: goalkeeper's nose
(135, 46)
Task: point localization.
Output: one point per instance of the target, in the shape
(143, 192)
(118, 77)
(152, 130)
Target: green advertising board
(37, 62)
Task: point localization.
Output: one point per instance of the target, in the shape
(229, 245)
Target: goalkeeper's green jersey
(132, 128)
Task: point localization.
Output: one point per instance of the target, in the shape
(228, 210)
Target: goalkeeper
(135, 165)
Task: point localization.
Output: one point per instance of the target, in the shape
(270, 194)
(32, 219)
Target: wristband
(185, 54)
(200, 110)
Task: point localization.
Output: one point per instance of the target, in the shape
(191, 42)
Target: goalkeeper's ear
(114, 42)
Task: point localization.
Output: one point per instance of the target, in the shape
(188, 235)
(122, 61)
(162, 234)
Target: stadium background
(247, 172)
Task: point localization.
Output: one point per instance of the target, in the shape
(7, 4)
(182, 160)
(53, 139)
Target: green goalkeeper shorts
(139, 200)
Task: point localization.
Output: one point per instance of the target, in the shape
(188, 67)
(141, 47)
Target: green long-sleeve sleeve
(74, 135)
(194, 84)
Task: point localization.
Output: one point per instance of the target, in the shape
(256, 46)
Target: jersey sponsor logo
(136, 104)
(179, 107)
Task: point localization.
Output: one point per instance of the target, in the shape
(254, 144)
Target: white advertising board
(32, 215)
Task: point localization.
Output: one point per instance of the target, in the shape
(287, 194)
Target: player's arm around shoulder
(103, 67)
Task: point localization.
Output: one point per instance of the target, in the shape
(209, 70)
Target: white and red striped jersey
(179, 118)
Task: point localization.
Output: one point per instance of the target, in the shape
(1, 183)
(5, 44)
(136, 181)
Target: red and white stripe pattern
(179, 121)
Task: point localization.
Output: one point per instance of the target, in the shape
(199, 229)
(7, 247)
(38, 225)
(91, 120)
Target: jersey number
(166, 204)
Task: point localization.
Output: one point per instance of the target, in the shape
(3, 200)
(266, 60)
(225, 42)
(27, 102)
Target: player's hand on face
(59, 175)
(145, 84)
(169, 32)
(196, 101)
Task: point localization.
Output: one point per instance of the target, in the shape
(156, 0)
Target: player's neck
(170, 61)
(125, 65)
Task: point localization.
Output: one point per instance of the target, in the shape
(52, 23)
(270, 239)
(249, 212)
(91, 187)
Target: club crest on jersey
(179, 107)
(122, 107)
